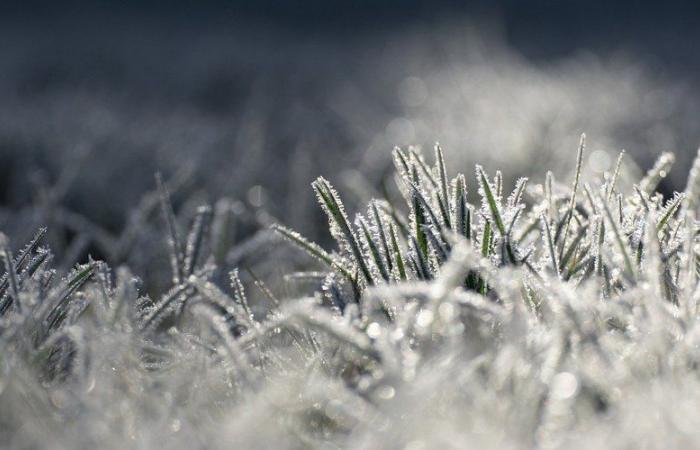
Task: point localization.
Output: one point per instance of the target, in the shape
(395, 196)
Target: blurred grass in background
(245, 101)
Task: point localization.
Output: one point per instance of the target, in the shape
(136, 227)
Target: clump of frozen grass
(557, 315)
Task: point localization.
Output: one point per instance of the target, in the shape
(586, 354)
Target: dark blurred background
(541, 28)
(252, 100)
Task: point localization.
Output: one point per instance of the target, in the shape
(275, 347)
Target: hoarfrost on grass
(551, 315)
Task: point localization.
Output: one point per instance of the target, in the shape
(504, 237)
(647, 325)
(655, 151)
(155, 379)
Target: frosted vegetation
(218, 112)
(459, 313)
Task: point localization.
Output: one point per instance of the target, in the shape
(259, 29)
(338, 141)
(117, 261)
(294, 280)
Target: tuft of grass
(445, 326)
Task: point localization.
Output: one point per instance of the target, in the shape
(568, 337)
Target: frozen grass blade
(549, 195)
(260, 284)
(426, 208)
(574, 188)
(396, 251)
(20, 270)
(600, 240)
(551, 247)
(441, 250)
(336, 214)
(658, 172)
(312, 249)
(397, 219)
(590, 197)
(487, 193)
(462, 211)
(670, 210)
(616, 173)
(443, 194)
(642, 198)
(401, 161)
(516, 196)
(239, 293)
(57, 308)
(417, 214)
(164, 307)
(420, 262)
(200, 228)
(619, 239)
(418, 161)
(373, 249)
(10, 271)
(176, 256)
(29, 249)
(381, 233)
(498, 183)
(566, 259)
(486, 239)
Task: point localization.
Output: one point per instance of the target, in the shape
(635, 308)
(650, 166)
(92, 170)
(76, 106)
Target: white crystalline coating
(516, 196)
(541, 339)
(490, 201)
(371, 248)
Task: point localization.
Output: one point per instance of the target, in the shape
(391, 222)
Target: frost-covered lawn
(455, 312)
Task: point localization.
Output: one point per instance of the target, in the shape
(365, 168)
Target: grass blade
(619, 239)
(339, 223)
(574, 189)
(671, 208)
(550, 245)
(175, 245)
(487, 193)
(199, 230)
(312, 249)
(373, 249)
(443, 194)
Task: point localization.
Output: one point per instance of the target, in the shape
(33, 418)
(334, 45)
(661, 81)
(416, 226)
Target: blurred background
(250, 101)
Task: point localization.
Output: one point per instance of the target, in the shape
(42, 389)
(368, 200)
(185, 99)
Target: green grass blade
(397, 253)
(671, 208)
(418, 214)
(381, 232)
(373, 250)
(485, 190)
(461, 209)
(443, 194)
(336, 214)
